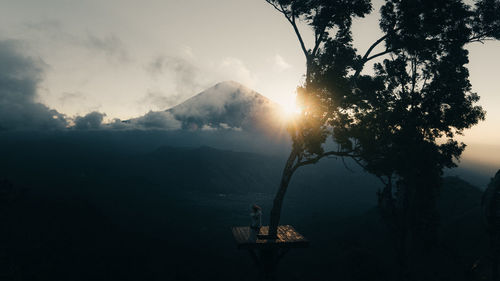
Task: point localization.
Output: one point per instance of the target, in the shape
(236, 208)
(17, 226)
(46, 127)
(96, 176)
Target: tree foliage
(331, 24)
(399, 123)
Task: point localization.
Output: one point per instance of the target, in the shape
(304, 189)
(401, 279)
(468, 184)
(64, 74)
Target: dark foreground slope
(75, 212)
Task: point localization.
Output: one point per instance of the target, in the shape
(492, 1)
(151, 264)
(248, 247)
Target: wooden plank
(236, 234)
(288, 237)
(243, 235)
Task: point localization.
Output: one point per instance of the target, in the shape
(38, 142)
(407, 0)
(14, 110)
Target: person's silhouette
(256, 216)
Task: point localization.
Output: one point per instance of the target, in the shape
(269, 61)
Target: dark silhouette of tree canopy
(490, 205)
(331, 22)
(415, 104)
(399, 123)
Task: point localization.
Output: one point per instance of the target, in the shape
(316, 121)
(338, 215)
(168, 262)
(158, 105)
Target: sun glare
(290, 109)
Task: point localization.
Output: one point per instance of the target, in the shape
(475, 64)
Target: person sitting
(256, 216)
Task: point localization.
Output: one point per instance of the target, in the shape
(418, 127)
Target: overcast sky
(126, 57)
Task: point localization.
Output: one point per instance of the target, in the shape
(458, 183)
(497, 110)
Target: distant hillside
(215, 171)
(166, 215)
(206, 169)
(362, 247)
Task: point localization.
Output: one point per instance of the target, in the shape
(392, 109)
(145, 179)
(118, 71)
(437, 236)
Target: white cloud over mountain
(226, 106)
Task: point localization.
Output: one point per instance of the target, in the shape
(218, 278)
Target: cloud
(208, 128)
(158, 100)
(153, 120)
(181, 72)
(227, 127)
(221, 126)
(20, 76)
(235, 69)
(51, 31)
(174, 79)
(180, 67)
(159, 120)
(228, 106)
(85, 102)
(111, 46)
(280, 64)
(118, 124)
(71, 97)
(51, 27)
(91, 121)
(183, 75)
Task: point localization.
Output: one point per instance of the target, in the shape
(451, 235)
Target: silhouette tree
(399, 123)
(414, 105)
(490, 205)
(331, 24)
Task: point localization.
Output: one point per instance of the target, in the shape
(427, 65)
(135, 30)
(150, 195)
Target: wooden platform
(288, 237)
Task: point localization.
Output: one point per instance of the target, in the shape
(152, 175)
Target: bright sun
(290, 109)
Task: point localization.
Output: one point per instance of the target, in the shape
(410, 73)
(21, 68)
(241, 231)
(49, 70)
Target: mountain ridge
(228, 105)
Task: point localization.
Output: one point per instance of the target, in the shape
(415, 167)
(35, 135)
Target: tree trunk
(288, 170)
(494, 266)
(402, 255)
(280, 195)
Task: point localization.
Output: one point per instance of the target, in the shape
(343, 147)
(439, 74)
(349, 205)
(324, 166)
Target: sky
(125, 58)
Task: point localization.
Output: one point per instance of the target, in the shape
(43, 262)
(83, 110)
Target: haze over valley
(249, 140)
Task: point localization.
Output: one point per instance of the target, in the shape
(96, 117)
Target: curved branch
(275, 6)
(318, 39)
(366, 57)
(375, 44)
(380, 54)
(291, 20)
(326, 154)
(364, 168)
(481, 37)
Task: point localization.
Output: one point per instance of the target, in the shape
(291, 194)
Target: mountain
(229, 105)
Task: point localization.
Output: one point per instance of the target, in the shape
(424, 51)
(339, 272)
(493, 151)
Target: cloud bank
(226, 106)
(93, 120)
(20, 76)
(153, 120)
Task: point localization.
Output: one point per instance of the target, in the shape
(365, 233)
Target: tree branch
(375, 44)
(291, 20)
(318, 40)
(365, 56)
(481, 37)
(414, 74)
(275, 6)
(364, 167)
(380, 54)
(325, 154)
